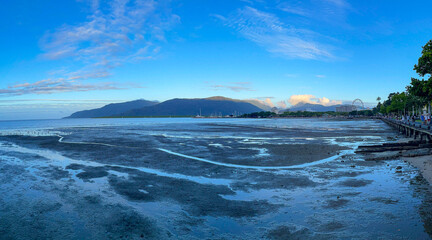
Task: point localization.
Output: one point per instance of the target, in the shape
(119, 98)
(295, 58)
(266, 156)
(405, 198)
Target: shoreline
(423, 164)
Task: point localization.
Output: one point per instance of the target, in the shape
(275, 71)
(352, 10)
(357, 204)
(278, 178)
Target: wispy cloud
(332, 12)
(114, 33)
(119, 31)
(339, 3)
(49, 86)
(320, 76)
(59, 100)
(235, 86)
(307, 98)
(264, 98)
(293, 9)
(266, 30)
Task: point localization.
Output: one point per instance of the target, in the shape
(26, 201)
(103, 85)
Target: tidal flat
(206, 179)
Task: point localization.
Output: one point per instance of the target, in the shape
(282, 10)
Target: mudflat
(212, 179)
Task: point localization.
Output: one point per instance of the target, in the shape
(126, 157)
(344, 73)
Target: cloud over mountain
(307, 98)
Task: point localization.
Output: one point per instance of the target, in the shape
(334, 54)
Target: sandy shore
(423, 164)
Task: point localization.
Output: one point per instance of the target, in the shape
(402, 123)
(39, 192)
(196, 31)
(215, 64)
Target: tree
(418, 94)
(424, 65)
(423, 88)
(398, 103)
(378, 99)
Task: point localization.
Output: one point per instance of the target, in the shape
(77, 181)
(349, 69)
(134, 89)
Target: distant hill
(112, 109)
(312, 107)
(215, 106)
(254, 102)
(191, 107)
(259, 104)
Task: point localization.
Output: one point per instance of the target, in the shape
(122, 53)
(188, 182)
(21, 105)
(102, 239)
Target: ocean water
(186, 178)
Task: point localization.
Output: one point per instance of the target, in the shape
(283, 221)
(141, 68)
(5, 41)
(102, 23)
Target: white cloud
(49, 86)
(294, 9)
(307, 98)
(332, 12)
(266, 30)
(281, 104)
(338, 3)
(320, 76)
(121, 31)
(268, 102)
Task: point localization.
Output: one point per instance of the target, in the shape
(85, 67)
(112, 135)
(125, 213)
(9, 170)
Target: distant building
(345, 108)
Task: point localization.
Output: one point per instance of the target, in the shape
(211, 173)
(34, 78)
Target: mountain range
(216, 106)
(312, 107)
(113, 109)
(212, 106)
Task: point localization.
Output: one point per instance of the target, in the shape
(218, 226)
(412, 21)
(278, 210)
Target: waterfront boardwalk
(412, 129)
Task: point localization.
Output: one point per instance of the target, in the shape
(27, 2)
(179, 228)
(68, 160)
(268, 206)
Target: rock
(417, 152)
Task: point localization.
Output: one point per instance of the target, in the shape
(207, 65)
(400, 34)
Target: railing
(411, 129)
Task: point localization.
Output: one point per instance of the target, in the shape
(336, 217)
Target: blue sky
(62, 56)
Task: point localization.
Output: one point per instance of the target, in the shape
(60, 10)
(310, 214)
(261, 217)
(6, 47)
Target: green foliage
(362, 113)
(259, 115)
(418, 93)
(398, 103)
(424, 65)
(422, 89)
(292, 114)
(311, 114)
(383, 109)
(377, 109)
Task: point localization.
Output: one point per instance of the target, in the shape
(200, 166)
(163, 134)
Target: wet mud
(278, 179)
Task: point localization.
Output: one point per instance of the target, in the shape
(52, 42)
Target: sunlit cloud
(281, 104)
(266, 101)
(307, 98)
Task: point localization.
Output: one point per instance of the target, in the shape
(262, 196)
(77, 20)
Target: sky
(58, 57)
